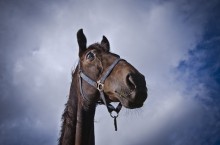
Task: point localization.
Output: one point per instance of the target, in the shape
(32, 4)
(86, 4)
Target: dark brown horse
(100, 77)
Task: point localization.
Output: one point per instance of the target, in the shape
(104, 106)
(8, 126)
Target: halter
(99, 85)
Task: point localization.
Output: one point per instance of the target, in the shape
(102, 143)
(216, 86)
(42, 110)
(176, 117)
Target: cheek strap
(99, 85)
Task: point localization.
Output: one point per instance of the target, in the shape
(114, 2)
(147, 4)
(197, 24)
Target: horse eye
(90, 56)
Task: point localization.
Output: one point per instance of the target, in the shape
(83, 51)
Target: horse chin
(131, 105)
(131, 99)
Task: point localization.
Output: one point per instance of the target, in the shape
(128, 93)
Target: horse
(101, 77)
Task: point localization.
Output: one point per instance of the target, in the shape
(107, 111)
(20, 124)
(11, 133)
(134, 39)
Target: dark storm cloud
(18, 121)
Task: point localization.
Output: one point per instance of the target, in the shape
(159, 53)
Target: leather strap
(100, 86)
(109, 70)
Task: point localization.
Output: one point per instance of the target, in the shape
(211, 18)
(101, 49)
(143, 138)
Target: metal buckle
(100, 86)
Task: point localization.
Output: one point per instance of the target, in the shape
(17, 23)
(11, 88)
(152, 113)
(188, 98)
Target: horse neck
(78, 121)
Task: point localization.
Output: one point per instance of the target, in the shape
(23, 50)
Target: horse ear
(105, 43)
(81, 38)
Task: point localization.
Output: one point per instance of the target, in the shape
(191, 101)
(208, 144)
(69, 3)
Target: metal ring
(100, 86)
(114, 116)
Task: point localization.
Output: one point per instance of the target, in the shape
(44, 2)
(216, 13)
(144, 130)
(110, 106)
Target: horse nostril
(130, 82)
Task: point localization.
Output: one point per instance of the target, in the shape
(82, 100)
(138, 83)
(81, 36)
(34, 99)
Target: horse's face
(124, 84)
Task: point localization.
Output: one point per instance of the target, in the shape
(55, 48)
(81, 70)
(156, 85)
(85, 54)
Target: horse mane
(68, 120)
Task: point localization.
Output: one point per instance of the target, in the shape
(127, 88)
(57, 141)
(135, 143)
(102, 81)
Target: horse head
(124, 83)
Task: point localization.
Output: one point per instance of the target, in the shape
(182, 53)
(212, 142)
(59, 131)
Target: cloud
(39, 51)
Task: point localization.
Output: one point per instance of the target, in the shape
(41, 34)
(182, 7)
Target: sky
(174, 43)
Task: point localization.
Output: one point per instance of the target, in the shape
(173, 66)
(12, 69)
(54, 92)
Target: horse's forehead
(100, 51)
(96, 48)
